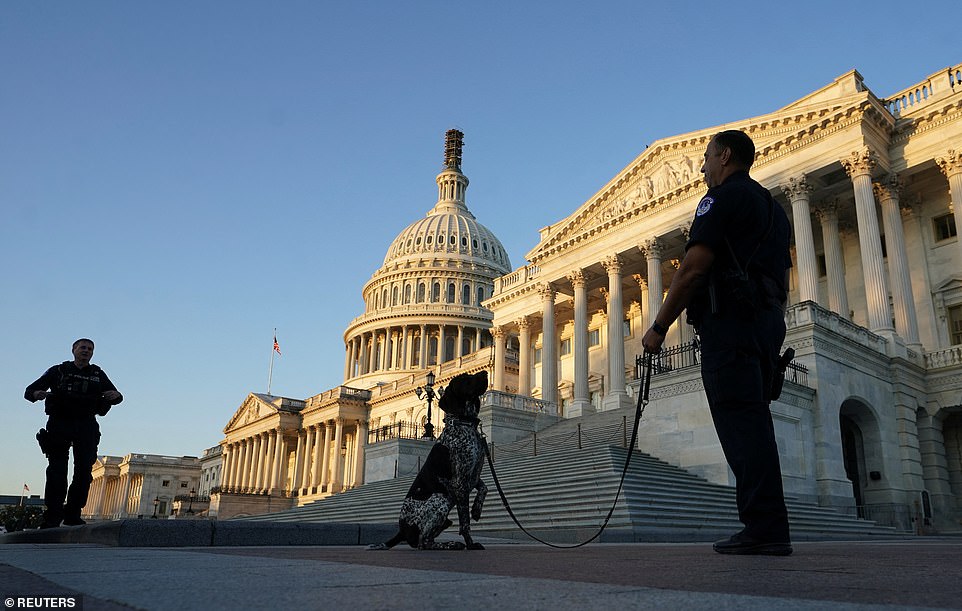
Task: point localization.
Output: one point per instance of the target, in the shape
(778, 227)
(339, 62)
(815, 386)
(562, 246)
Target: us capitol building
(871, 413)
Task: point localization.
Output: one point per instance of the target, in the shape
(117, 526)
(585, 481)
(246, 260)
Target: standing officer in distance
(733, 280)
(74, 393)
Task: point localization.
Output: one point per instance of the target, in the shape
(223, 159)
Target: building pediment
(258, 406)
(670, 169)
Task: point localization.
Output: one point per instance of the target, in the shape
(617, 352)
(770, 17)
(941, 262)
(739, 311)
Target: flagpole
(270, 372)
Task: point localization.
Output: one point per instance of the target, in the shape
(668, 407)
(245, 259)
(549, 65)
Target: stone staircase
(562, 493)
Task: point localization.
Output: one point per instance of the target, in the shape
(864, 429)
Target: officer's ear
(725, 155)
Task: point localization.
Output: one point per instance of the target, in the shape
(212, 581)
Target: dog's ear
(480, 382)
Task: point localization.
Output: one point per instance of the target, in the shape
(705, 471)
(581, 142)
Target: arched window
(480, 294)
(436, 293)
(451, 292)
(407, 293)
(421, 290)
(384, 298)
(394, 294)
(449, 343)
(466, 294)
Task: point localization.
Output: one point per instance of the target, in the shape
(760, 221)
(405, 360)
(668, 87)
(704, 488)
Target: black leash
(639, 410)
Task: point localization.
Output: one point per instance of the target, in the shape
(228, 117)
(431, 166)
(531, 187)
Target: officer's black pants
(83, 435)
(738, 363)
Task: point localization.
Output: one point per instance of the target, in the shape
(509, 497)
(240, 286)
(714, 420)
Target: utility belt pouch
(779, 378)
(44, 439)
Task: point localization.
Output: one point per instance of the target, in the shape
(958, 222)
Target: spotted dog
(451, 471)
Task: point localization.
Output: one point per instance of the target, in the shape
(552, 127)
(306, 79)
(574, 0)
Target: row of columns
(110, 495)
(397, 347)
(859, 166)
(617, 395)
(258, 464)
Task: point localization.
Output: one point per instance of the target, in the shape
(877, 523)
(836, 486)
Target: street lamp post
(156, 503)
(428, 393)
(190, 503)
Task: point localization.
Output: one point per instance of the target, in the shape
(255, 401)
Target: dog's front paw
(476, 512)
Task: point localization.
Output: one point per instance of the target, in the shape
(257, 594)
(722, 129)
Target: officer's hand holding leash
(654, 338)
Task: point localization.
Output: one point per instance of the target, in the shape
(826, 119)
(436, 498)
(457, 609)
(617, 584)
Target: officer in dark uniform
(733, 281)
(74, 393)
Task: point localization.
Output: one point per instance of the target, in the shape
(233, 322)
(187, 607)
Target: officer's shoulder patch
(704, 205)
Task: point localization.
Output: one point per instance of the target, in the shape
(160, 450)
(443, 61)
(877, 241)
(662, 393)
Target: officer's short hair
(82, 339)
(741, 145)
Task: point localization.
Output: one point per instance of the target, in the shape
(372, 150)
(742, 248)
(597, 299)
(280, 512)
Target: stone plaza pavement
(868, 574)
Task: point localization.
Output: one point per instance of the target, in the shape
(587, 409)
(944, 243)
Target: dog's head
(462, 397)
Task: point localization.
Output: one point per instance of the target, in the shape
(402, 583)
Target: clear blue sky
(179, 178)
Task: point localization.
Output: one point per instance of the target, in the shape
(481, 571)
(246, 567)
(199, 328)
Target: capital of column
(497, 332)
(546, 291)
(523, 323)
(612, 264)
(797, 188)
(888, 188)
(951, 163)
(652, 248)
(685, 230)
(826, 210)
(577, 278)
(860, 162)
(641, 280)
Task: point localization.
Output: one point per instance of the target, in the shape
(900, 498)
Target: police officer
(733, 281)
(74, 393)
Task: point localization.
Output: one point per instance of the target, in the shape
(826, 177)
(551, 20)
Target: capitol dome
(423, 306)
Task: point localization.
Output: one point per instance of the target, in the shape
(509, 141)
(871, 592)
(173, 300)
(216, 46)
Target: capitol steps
(564, 495)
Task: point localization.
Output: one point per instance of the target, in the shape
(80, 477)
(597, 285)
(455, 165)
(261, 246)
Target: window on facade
(594, 337)
(822, 266)
(428, 239)
(394, 294)
(453, 239)
(451, 292)
(464, 241)
(183, 484)
(384, 298)
(466, 294)
(480, 294)
(440, 239)
(165, 483)
(627, 327)
(436, 292)
(537, 355)
(407, 293)
(421, 292)
(565, 347)
(955, 325)
(885, 253)
(944, 227)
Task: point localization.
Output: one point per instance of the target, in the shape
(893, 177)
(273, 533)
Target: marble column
(125, 496)
(325, 456)
(276, 464)
(549, 347)
(347, 359)
(834, 263)
(499, 349)
(458, 352)
(440, 356)
(318, 457)
(799, 192)
(951, 166)
(859, 167)
(906, 321)
(298, 462)
(581, 402)
(423, 348)
(226, 466)
(337, 472)
(524, 356)
(643, 301)
(308, 460)
(245, 474)
(617, 393)
(652, 250)
(360, 438)
(257, 463)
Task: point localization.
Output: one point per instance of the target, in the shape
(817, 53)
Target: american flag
(277, 347)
